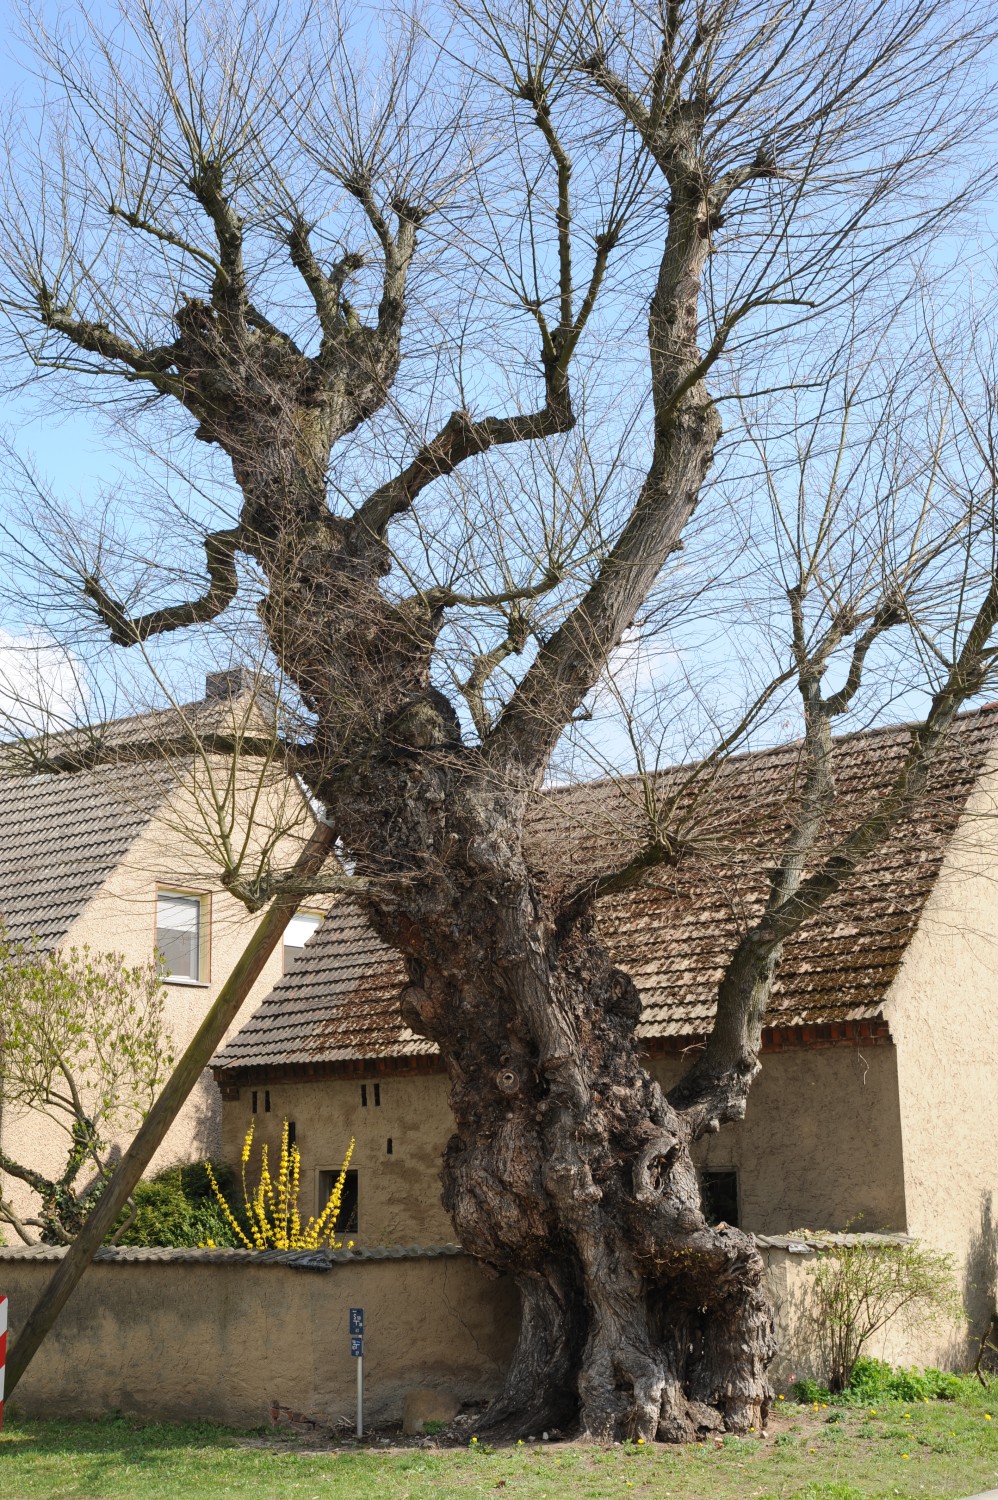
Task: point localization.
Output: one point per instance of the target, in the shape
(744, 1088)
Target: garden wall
(242, 1338)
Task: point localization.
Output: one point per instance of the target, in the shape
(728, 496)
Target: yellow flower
(272, 1210)
(781, 1398)
(640, 1440)
(987, 1416)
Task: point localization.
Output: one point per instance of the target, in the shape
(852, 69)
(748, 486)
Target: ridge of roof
(208, 723)
(783, 749)
(675, 932)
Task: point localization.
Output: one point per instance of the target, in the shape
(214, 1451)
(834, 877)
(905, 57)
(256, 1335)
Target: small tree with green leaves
(857, 1288)
(83, 1044)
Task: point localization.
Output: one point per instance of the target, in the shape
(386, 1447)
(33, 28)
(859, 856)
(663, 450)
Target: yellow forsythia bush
(272, 1207)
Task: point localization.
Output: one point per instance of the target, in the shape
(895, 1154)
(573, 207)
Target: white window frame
(203, 898)
(320, 917)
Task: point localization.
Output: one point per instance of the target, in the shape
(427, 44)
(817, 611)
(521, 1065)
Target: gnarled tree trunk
(569, 1168)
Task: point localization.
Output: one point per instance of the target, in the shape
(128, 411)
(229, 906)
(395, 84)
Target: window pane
(720, 1197)
(178, 935)
(348, 1216)
(297, 934)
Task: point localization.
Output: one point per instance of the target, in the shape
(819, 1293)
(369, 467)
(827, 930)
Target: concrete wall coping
(808, 1242)
(300, 1260)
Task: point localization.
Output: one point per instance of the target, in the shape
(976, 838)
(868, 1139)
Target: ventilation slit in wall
(292, 1132)
(266, 1101)
(253, 1105)
(363, 1095)
(388, 1152)
(377, 1093)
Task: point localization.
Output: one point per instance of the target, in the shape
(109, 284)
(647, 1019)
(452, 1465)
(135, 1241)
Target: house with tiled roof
(110, 840)
(874, 1106)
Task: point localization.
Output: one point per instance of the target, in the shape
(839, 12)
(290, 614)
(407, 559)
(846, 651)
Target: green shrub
(178, 1208)
(809, 1391)
(873, 1380)
(855, 1289)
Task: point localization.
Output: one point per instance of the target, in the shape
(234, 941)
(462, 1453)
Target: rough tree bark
(569, 1168)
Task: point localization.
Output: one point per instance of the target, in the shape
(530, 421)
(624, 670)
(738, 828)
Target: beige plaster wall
(228, 1343)
(820, 1143)
(399, 1194)
(222, 1340)
(943, 1012)
(917, 1342)
(175, 850)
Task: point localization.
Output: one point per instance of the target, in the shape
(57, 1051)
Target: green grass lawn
(934, 1449)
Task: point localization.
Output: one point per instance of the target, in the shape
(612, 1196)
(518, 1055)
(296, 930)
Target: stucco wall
(228, 1341)
(180, 1335)
(943, 1012)
(904, 1340)
(820, 1143)
(399, 1194)
(175, 850)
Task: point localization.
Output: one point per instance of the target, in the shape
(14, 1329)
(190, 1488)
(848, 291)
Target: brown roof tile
(62, 837)
(675, 932)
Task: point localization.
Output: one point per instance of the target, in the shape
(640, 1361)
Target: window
(181, 936)
(297, 933)
(720, 1197)
(347, 1220)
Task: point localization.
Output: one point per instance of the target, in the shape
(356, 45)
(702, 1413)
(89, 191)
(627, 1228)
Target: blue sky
(81, 458)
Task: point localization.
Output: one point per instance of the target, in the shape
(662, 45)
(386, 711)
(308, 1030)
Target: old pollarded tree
(452, 323)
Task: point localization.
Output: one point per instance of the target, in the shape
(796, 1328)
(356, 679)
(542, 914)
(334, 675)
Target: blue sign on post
(357, 1350)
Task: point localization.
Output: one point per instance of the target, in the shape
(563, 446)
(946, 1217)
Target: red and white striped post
(3, 1349)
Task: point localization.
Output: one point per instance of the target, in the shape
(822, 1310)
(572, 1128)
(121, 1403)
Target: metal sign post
(3, 1349)
(357, 1351)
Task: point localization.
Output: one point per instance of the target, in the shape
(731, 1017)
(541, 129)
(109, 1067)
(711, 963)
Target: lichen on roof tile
(675, 933)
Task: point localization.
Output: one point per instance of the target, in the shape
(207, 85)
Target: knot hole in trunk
(652, 1166)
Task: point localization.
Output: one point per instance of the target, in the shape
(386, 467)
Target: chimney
(221, 686)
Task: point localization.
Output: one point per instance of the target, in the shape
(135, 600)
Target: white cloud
(41, 684)
(637, 667)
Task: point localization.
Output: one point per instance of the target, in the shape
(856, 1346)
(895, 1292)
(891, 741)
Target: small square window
(720, 1197)
(181, 936)
(297, 933)
(349, 1214)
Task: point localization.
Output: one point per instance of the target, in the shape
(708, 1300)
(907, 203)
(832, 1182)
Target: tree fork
(159, 1119)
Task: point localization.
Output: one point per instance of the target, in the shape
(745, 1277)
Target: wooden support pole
(163, 1113)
